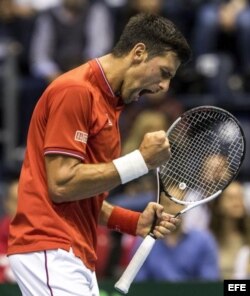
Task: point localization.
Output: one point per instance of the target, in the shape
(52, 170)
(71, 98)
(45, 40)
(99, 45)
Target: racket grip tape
(135, 264)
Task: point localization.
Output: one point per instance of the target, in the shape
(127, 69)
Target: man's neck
(114, 69)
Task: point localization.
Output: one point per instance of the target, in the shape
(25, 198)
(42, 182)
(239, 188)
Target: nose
(164, 85)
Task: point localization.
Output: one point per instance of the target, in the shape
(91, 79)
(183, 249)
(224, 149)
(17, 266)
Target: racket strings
(206, 151)
(199, 141)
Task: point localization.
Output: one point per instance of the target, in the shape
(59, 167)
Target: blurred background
(40, 39)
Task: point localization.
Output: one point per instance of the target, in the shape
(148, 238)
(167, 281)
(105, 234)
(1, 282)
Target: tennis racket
(207, 149)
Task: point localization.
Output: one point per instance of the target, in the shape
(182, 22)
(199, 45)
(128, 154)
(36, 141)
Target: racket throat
(198, 203)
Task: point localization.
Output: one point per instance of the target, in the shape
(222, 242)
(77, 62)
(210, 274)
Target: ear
(139, 53)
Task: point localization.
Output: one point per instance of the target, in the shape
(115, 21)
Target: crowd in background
(41, 39)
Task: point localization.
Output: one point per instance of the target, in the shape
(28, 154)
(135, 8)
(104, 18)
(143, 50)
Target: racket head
(207, 149)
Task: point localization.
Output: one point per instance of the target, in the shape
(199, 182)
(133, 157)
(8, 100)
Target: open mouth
(145, 91)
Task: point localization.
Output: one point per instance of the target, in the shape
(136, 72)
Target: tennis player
(73, 159)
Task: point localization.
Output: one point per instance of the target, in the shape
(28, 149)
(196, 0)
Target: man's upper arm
(59, 171)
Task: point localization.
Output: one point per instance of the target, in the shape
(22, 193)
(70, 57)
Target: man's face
(147, 76)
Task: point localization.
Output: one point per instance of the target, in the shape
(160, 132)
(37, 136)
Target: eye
(166, 74)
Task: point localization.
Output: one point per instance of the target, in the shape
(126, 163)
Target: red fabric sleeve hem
(64, 152)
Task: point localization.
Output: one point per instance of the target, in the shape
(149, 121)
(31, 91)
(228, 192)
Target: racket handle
(135, 264)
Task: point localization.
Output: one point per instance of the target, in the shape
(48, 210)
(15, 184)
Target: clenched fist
(155, 149)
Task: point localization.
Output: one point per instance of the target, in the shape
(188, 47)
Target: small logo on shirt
(109, 120)
(81, 137)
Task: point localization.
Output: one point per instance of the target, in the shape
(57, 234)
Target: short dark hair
(159, 35)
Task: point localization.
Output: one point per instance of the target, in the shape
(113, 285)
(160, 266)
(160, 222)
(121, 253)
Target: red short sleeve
(68, 122)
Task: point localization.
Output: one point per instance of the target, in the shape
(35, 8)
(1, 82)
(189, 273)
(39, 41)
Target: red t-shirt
(76, 116)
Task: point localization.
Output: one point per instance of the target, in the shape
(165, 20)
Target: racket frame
(192, 204)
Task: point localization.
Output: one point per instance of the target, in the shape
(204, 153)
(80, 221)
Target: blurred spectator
(242, 260)
(37, 5)
(10, 203)
(122, 10)
(68, 34)
(181, 256)
(222, 45)
(183, 14)
(152, 6)
(242, 263)
(229, 223)
(16, 25)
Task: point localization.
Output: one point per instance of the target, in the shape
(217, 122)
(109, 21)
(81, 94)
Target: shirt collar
(104, 84)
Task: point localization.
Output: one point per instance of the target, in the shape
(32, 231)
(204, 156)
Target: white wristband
(131, 166)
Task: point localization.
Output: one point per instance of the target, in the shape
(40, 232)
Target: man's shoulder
(79, 78)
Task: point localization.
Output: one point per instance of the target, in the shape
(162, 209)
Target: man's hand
(166, 223)
(155, 149)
